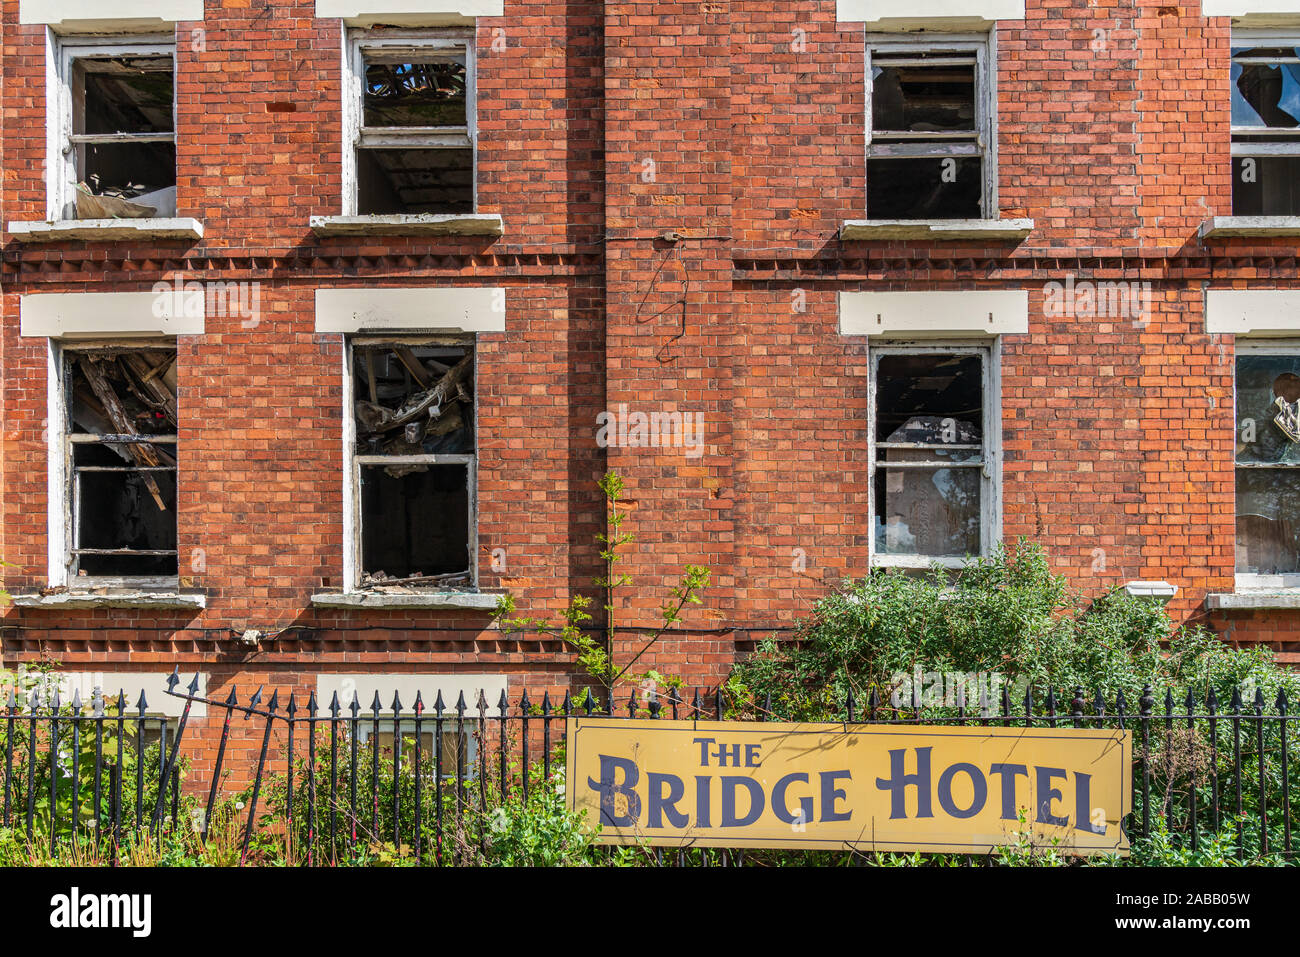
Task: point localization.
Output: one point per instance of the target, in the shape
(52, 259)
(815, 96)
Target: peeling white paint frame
(1247, 582)
(990, 353)
(352, 464)
(356, 44)
(983, 47)
(61, 53)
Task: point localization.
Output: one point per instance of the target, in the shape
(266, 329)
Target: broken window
(928, 132)
(120, 135)
(413, 407)
(1266, 128)
(930, 484)
(414, 116)
(1268, 464)
(120, 455)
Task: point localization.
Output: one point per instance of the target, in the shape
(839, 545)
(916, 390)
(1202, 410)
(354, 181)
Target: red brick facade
(1112, 136)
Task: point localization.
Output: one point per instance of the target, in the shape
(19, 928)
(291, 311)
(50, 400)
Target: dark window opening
(414, 413)
(412, 181)
(417, 524)
(121, 459)
(123, 131)
(923, 98)
(929, 453)
(919, 188)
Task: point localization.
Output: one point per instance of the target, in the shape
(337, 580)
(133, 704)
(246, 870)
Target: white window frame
(62, 520)
(982, 47)
(352, 462)
(990, 473)
(61, 158)
(1252, 581)
(359, 42)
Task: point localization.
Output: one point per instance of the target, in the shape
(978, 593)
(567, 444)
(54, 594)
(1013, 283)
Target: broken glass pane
(1268, 523)
(415, 94)
(411, 181)
(1266, 94)
(920, 99)
(931, 512)
(935, 398)
(925, 187)
(1268, 409)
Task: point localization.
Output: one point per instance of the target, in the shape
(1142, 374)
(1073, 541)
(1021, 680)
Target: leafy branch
(597, 660)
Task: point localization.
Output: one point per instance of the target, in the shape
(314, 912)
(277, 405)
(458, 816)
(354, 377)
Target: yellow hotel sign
(832, 786)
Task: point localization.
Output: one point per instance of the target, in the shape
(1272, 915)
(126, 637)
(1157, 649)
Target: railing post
(1286, 771)
(1191, 767)
(271, 707)
(291, 710)
(1263, 789)
(1236, 765)
(1145, 704)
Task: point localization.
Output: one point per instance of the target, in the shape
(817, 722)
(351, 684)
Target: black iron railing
(423, 778)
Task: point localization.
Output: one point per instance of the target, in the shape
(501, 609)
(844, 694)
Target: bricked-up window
(1268, 465)
(116, 131)
(1265, 84)
(929, 131)
(120, 455)
(932, 488)
(414, 462)
(412, 109)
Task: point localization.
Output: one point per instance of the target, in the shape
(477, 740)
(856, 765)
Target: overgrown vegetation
(1008, 616)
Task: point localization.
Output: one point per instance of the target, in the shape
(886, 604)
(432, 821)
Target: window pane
(415, 521)
(125, 95)
(935, 398)
(430, 93)
(931, 512)
(1266, 185)
(1268, 406)
(925, 187)
(938, 98)
(1266, 94)
(412, 181)
(1268, 521)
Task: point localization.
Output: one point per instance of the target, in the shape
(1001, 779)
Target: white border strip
(447, 309)
(1253, 312)
(991, 312)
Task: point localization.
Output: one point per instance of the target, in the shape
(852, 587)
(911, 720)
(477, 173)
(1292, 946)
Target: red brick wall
(1117, 436)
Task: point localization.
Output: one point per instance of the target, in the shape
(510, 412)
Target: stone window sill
(105, 230)
(936, 228)
(424, 224)
(1222, 227)
(124, 599)
(1252, 600)
(471, 601)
